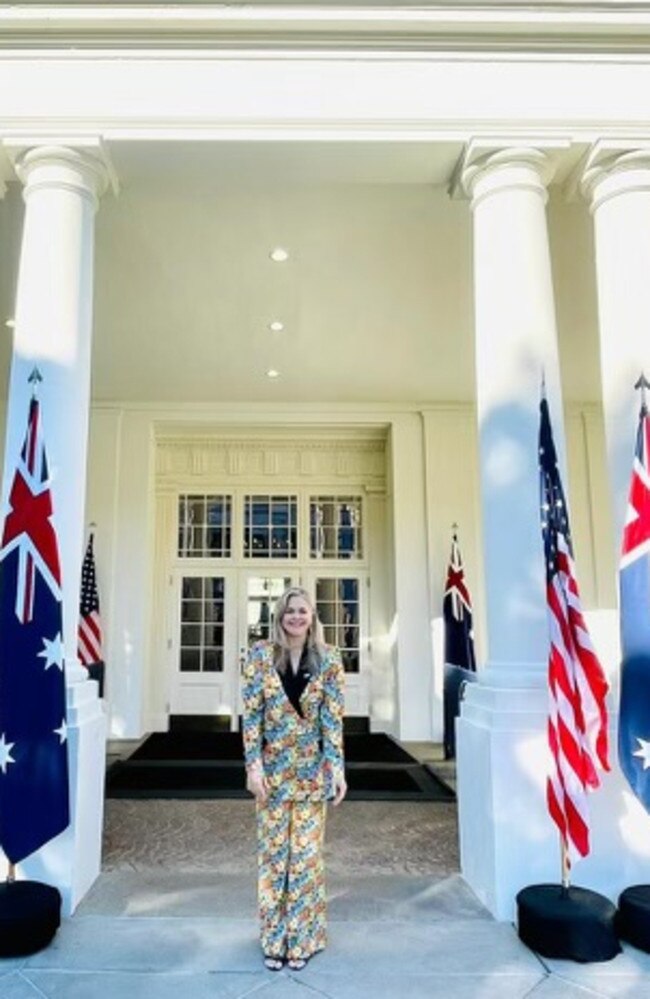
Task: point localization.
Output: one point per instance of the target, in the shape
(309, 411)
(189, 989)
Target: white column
(53, 331)
(507, 839)
(616, 183)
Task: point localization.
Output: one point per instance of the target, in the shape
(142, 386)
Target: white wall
(413, 648)
(119, 501)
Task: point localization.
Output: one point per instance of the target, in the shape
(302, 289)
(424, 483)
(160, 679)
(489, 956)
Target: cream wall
(432, 465)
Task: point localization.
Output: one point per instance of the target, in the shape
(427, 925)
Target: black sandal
(297, 963)
(272, 963)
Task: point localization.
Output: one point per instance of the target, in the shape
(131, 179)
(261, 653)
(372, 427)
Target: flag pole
(643, 384)
(566, 865)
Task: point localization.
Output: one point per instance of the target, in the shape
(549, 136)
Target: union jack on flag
(34, 804)
(634, 583)
(457, 613)
(577, 724)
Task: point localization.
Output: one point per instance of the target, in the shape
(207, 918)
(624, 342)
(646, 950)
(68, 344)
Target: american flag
(577, 725)
(34, 793)
(90, 629)
(634, 579)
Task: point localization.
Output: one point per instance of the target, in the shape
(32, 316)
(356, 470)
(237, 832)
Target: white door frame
(357, 701)
(204, 693)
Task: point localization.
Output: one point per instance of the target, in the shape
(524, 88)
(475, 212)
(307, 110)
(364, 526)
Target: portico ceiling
(375, 298)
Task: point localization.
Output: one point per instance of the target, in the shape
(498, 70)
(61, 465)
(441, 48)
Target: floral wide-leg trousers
(291, 885)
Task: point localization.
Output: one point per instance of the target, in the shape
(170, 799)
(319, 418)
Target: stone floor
(174, 912)
(368, 837)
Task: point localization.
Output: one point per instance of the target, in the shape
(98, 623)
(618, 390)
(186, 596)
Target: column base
(507, 837)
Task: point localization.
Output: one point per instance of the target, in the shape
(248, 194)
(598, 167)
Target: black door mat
(206, 779)
(376, 747)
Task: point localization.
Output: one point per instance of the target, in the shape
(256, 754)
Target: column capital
(491, 165)
(615, 167)
(59, 163)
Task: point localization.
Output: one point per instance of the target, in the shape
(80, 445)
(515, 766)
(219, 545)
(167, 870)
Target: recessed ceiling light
(279, 255)
(276, 326)
(10, 324)
(272, 373)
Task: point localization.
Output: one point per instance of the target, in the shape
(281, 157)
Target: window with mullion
(202, 624)
(270, 526)
(204, 526)
(335, 527)
(337, 605)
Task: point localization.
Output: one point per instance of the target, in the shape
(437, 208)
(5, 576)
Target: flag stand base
(567, 923)
(30, 915)
(633, 920)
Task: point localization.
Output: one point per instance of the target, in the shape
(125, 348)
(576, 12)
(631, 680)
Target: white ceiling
(376, 296)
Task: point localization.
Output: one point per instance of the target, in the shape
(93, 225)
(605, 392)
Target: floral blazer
(301, 757)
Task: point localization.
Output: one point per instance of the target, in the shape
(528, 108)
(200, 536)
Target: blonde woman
(293, 746)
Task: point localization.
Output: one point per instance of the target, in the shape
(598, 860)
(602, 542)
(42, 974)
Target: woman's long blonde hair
(314, 641)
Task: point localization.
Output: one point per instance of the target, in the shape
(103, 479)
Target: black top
(295, 683)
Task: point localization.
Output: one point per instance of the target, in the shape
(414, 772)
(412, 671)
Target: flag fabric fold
(457, 614)
(634, 587)
(90, 628)
(34, 791)
(577, 725)
(460, 660)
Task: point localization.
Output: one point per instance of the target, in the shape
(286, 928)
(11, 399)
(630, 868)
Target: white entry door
(341, 602)
(204, 644)
(220, 614)
(258, 592)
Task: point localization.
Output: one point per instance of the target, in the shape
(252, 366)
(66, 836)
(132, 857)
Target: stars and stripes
(90, 629)
(577, 725)
(634, 584)
(34, 805)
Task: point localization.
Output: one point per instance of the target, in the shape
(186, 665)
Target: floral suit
(302, 760)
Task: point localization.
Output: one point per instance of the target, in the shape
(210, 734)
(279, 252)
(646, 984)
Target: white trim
(463, 23)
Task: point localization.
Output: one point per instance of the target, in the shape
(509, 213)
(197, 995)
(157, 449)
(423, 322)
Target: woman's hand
(256, 783)
(340, 790)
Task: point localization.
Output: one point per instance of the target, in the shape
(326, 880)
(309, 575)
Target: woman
(293, 745)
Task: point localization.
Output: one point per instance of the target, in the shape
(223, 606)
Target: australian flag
(34, 792)
(460, 659)
(457, 614)
(634, 581)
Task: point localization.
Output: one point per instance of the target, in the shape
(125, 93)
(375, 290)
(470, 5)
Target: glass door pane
(337, 603)
(202, 624)
(261, 595)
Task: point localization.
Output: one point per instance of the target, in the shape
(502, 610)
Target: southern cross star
(643, 752)
(62, 732)
(52, 652)
(5, 753)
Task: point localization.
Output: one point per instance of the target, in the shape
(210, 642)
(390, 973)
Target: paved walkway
(173, 915)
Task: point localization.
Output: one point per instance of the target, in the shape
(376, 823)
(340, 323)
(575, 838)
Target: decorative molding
(294, 460)
(516, 26)
(271, 463)
(87, 152)
(485, 153)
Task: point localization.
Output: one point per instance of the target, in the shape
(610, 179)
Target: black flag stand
(566, 922)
